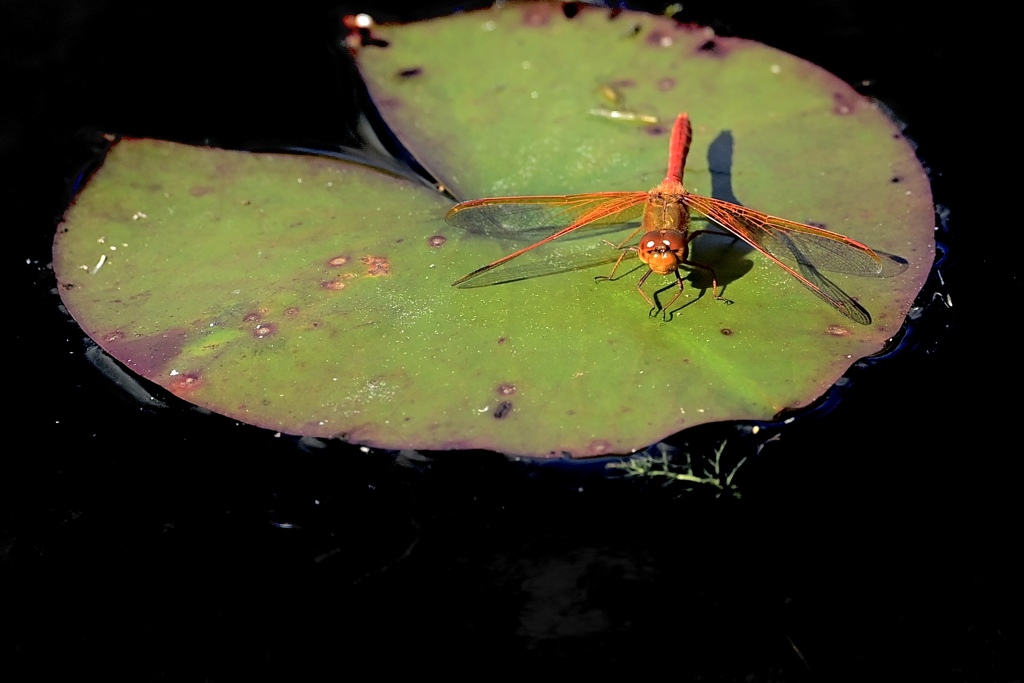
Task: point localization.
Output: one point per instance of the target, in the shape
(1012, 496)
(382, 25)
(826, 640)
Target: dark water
(164, 544)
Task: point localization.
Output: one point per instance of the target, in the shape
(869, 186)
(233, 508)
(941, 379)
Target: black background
(165, 544)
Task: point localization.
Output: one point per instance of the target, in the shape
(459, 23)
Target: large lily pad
(313, 296)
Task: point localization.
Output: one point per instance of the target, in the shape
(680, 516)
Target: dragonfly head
(663, 250)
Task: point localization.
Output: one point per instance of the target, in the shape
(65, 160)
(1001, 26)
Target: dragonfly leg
(713, 232)
(629, 238)
(714, 278)
(679, 281)
(640, 288)
(611, 275)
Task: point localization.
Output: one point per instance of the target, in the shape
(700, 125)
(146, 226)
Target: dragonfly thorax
(665, 210)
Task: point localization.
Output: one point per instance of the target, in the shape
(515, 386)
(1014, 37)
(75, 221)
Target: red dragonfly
(665, 244)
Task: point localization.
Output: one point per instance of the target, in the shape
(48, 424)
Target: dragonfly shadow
(720, 166)
(720, 153)
(725, 253)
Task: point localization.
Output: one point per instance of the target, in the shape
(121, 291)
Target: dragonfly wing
(505, 216)
(808, 246)
(791, 240)
(552, 264)
(511, 215)
(833, 294)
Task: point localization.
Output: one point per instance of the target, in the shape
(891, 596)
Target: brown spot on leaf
(838, 331)
(334, 285)
(67, 285)
(291, 311)
(437, 240)
(658, 38)
(506, 389)
(726, 331)
(338, 261)
(538, 14)
(200, 190)
(186, 382)
(503, 410)
(251, 317)
(116, 335)
(411, 72)
(501, 340)
(376, 266)
(264, 330)
(843, 104)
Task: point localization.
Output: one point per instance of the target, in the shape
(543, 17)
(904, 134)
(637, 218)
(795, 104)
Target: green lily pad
(312, 296)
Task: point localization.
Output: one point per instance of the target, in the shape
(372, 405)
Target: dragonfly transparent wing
(565, 213)
(810, 248)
